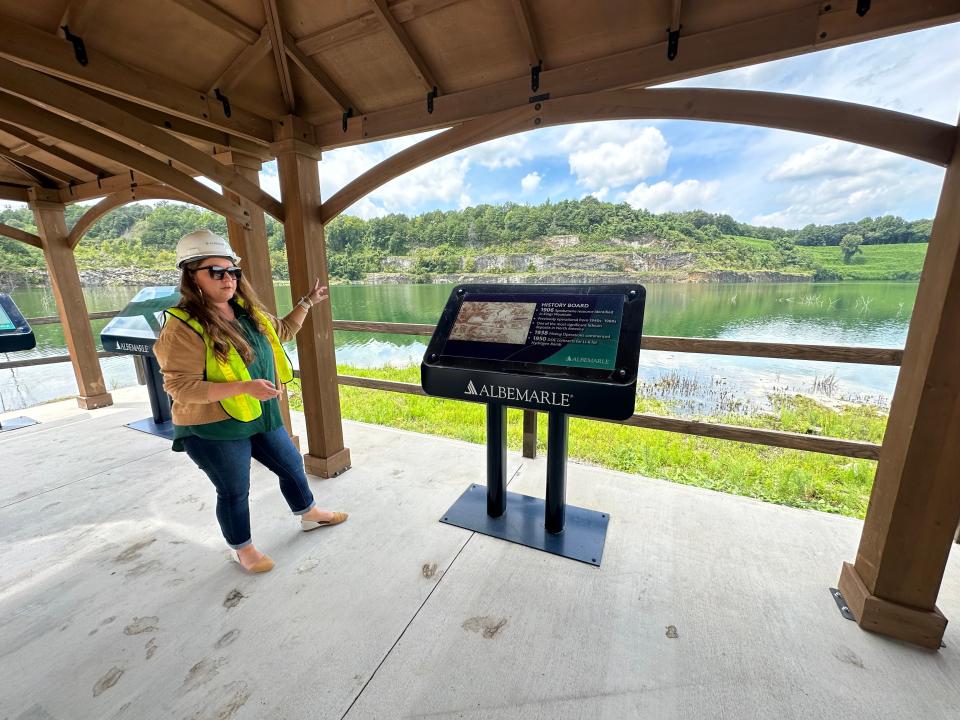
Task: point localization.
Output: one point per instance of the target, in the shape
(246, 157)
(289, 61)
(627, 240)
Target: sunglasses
(217, 272)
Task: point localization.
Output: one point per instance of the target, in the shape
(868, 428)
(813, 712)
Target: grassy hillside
(876, 262)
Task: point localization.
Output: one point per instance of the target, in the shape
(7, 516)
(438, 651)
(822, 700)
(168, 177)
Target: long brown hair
(221, 331)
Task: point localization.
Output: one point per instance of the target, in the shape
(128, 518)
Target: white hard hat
(201, 244)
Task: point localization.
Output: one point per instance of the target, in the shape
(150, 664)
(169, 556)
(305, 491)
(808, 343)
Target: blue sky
(754, 174)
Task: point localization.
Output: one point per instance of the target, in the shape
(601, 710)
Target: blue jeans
(227, 464)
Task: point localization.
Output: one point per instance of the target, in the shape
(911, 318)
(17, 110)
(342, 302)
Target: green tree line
(440, 240)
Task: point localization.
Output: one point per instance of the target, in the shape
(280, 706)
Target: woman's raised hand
(260, 389)
(318, 293)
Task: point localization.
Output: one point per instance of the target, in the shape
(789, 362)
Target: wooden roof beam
(403, 41)
(127, 181)
(367, 22)
(16, 193)
(21, 235)
(275, 29)
(521, 9)
(800, 30)
(58, 176)
(915, 137)
(220, 18)
(65, 155)
(242, 64)
(27, 46)
(75, 101)
(24, 113)
(317, 75)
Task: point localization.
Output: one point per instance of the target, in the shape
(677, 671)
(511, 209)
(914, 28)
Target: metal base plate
(16, 423)
(583, 536)
(164, 429)
(842, 604)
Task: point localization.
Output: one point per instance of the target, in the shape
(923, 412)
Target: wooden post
(529, 433)
(252, 246)
(914, 509)
(71, 306)
(297, 158)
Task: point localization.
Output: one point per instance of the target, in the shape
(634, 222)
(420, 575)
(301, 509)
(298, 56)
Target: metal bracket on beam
(841, 604)
(346, 116)
(78, 47)
(863, 7)
(535, 76)
(224, 100)
(431, 96)
(673, 42)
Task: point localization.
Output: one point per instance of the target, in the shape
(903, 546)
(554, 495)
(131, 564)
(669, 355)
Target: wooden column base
(327, 467)
(92, 402)
(920, 627)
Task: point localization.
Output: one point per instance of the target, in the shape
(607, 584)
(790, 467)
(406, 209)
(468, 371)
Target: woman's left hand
(318, 293)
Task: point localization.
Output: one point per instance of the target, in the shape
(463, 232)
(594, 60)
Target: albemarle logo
(499, 392)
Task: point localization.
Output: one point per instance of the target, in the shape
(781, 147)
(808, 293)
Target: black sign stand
(560, 349)
(551, 525)
(134, 331)
(161, 423)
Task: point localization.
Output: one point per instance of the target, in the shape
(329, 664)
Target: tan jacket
(183, 357)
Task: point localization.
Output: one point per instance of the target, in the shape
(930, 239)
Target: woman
(222, 365)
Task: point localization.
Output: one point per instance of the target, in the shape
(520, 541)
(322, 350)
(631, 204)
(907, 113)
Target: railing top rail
(664, 343)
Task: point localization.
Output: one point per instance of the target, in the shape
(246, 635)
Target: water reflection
(870, 314)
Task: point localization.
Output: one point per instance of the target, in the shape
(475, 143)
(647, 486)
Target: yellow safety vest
(244, 408)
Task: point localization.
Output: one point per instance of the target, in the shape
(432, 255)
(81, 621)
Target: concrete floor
(117, 599)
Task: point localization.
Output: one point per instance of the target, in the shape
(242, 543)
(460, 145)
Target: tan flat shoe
(264, 564)
(308, 525)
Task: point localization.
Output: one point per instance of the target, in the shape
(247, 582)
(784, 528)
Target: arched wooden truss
(895, 132)
(118, 199)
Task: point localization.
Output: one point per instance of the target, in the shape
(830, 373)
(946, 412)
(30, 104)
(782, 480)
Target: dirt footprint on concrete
(141, 625)
(150, 647)
(133, 551)
(486, 625)
(107, 681)
(227, 638)
(201, 673)
(233, 598)
(429, 570)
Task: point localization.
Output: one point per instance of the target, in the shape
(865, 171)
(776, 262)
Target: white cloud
(664, 195)
(834, 181)
(530, 182)
(832, 159)
(613, 164)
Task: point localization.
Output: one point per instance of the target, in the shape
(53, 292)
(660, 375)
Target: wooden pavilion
(134, 100)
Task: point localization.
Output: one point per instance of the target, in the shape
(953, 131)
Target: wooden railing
(774, 438)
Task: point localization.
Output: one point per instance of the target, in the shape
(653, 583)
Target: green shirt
(261, 368)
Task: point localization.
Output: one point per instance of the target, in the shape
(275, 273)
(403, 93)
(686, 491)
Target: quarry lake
(867, 314)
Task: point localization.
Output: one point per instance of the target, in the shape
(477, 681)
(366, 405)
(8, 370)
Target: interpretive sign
(15, 332)
(136, 328)
(562, 349)
(542, 347)
(134, 331)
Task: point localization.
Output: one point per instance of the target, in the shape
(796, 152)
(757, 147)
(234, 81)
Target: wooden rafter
(220, 18)
(58, 176)
(28, 115)
(787, 33)
(27, 46)
(74, 15)
(242, 64)
(675, 14)
(915, 137)
(125, 182)
(275, 29)
(317, 75)
(21, 235)
(75, 101)
(367, 22)
(17, 193)
(521, 9)
(32, 176)
(403, 41)
(65, 155)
